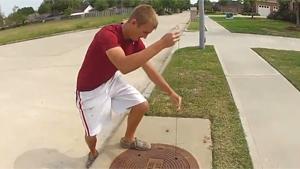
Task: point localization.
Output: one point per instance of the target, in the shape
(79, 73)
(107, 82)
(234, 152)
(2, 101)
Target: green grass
(259, 26)
(198, 77)
(285, 61)
(53, 27)
(193, 26)
(214, 13)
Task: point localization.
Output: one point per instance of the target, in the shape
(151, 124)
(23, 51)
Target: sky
(6, 6)
(193, 1)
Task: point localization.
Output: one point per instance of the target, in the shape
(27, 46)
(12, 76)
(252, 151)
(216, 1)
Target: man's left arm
(158, 80)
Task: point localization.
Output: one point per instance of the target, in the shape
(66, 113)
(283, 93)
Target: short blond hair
(144, 14)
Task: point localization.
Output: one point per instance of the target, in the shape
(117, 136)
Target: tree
(59, 6)
(112, 3)
(180, 5)
(1, 18)
(92, 2)
(224, 2)
(65, 7)
(187, 4)
(101, 5)
(157, 5)
(208, 6)
(26, 11)
(297, 12)
(1, 21)
(19, 16)
(75, 4)
(284, 12)
(45, 7)
(136, 2)
(128, 3)
(250, 7)
(169, 6)
(16, 19)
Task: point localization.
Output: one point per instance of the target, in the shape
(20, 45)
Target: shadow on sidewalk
(47, 158)
(53, 159)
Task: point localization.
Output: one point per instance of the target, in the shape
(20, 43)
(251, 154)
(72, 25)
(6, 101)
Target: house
(232, 6)
(265, 7)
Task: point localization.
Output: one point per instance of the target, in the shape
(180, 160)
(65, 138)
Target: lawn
(285, 61)
(194, 26)
(198, 77)
(259, 26)
(53, 27)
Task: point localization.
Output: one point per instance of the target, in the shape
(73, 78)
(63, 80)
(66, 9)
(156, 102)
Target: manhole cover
(161, 156)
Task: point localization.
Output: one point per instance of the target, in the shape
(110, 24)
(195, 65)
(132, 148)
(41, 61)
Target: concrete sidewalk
(268, 104)
(179, 132)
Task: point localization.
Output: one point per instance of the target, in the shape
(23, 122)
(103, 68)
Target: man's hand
(170, 39)
(176, 100)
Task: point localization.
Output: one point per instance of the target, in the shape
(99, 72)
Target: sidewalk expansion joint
(253, 75)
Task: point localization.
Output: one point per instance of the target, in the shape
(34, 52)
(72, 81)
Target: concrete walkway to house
(268, 103)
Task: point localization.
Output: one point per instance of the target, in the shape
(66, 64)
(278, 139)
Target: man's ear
(133, 21)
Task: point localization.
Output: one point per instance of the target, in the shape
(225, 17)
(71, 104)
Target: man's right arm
(129, 63)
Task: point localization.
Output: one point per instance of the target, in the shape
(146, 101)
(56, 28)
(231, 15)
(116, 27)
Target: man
(100, 88)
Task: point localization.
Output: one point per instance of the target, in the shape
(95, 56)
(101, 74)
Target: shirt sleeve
(107, 39)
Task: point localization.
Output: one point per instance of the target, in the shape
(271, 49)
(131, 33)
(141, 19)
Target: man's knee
(87, 137)
(143, 107)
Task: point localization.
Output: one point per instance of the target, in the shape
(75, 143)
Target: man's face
(141, 31)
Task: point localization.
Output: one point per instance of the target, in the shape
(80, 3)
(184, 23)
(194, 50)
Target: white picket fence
(109, 12)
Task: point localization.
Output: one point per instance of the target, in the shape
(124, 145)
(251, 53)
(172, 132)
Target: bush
(250, 14)
(283, 15)
(168, 12)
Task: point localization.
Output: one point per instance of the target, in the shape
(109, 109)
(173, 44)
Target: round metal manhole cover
(161, 156)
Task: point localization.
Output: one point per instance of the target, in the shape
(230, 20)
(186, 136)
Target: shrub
(283, 15)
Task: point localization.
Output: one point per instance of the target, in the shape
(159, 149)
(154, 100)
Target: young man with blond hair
(100, 88)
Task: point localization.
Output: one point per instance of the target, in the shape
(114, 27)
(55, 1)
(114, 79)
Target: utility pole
(201, 24)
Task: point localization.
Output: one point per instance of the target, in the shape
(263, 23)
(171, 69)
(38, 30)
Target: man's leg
(135, 116)
(91, 142)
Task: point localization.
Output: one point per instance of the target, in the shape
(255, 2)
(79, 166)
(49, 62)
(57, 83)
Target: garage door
(264, 10)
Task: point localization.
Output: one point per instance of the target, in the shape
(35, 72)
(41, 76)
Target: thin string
(177, 28)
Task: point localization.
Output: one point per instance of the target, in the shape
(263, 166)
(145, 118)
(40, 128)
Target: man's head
(142, 21)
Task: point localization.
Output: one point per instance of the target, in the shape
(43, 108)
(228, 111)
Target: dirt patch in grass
(293, 28)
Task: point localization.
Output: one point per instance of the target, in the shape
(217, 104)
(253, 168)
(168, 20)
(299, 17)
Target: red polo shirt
(97, 68)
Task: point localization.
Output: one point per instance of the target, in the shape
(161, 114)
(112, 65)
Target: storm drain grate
(161, 156)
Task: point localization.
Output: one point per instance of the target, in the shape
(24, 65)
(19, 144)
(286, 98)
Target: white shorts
(96, 106)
